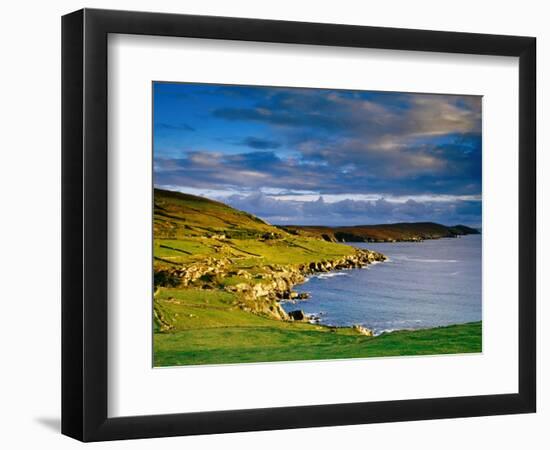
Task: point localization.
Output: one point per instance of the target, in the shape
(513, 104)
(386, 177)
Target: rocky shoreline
(262, 292)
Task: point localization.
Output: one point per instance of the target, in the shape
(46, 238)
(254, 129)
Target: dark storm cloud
(330, 171)
(384, 137)
(175, 127)
(258, 143)
(248, 171)
(375, 116)
(284, 118)
(328, 142)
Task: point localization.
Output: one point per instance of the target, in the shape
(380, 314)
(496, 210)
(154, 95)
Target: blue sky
(321, 156)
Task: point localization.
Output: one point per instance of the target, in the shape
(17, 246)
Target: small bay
(422, 285)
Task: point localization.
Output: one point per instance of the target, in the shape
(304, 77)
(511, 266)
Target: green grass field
(206, 322)
(208, 329)
(240, 344)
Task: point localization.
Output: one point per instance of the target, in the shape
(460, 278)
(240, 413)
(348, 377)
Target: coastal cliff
(261, 291)
(207, 245)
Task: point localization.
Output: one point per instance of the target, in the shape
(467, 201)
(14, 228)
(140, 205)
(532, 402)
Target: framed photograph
(273, 224)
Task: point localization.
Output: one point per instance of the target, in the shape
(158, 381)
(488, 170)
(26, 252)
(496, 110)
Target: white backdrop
(30, 177)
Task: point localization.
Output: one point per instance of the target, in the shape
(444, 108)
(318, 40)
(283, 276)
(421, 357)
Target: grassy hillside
(220, 274)
(204, 327)
(209, 330)
(178, 215)
(188, 228)
(416, 231)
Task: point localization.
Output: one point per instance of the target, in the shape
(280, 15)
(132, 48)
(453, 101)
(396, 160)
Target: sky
(321, 156)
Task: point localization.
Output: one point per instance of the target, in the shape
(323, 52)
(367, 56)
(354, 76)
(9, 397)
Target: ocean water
(422, 285)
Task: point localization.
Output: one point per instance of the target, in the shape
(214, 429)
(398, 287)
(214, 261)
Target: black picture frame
(84, 224)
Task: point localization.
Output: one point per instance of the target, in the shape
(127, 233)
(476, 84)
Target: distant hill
(414, 231)
(178, 215)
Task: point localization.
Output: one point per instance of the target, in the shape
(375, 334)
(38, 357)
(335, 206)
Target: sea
(421, 285)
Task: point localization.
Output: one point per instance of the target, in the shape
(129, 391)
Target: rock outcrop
(362, 330)
(297, 315)
(262, 293)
